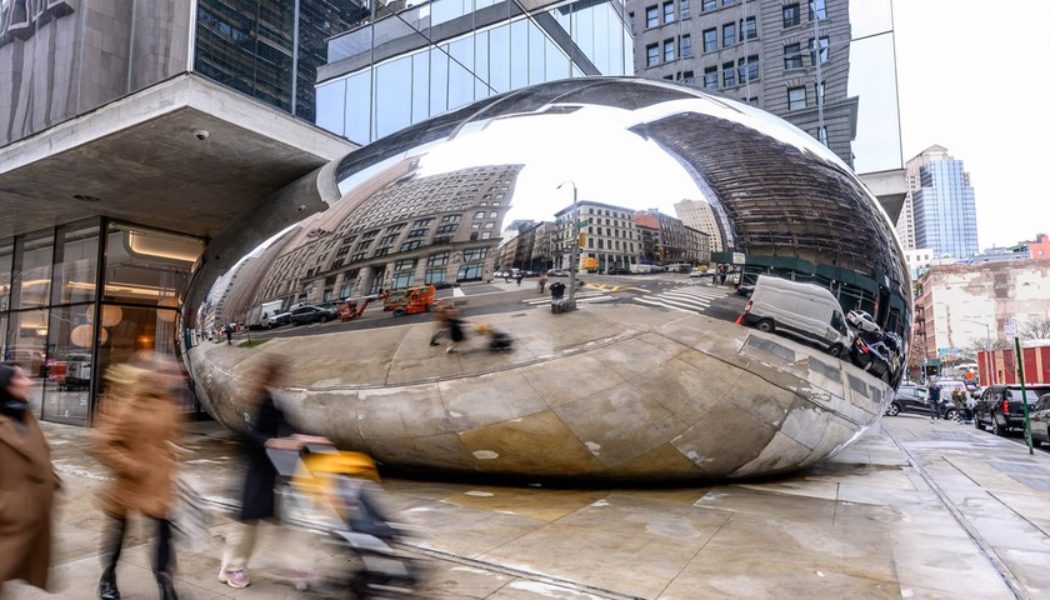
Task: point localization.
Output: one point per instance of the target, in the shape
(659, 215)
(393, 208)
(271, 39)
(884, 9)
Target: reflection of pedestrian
(27, 485)
(520, 275)
(136, 435)
(723, 270)
(229, 334)
(440, 323)
(542, 282)
(455, 329)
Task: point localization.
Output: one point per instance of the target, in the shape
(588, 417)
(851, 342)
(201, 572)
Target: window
(422, 222)
(409, 246)
(357, 257)
(363, 245)
(821, 7)
(728, 35)
(796, 98)
(652, 55)
(479, 215)
(822, 135)
(438, 260)
(434, 276)
(388, 239)
(824, 42)
(709, 5)
(382, 251)
(688, 78)
(710, 40)
(748, 69)
(450, 218)
(668, 51)
(728, 75)
(711, 78)
(630, 22)
(687, 45)
(447, 228)
(474, 254)
(793, 56)
(792, 16)
(683, 8)
(668, 12)
(652, 17)
(405, 264)
(818, 88)
(416, 233)
(749, 29)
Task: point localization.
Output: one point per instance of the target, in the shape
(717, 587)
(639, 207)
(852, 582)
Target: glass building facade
(438, 56)
(945, 213)
(80, 297)
(270, 49)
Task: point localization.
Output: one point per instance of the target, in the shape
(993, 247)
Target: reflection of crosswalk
(686, 299)
(580, 297)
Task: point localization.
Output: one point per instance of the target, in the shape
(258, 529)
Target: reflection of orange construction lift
(352, 309)
(413, 301)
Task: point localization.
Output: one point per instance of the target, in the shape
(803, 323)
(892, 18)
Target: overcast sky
(974, 77)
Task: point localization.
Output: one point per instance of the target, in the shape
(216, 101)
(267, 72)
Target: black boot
(166, 586)
(107, 585)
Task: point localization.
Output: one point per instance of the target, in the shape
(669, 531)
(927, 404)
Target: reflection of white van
(803, 310)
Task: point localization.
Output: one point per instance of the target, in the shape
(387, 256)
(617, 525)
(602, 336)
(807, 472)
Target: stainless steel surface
(774, 364)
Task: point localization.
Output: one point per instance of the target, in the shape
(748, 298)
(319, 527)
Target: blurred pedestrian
(268, 428)
(518, 278)
(454, 324)
(136, 434)
(542, 282)
(440, 323)
(27, 485)
(228, 330)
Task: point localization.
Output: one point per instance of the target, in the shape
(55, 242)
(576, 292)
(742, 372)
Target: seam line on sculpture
(982, 545)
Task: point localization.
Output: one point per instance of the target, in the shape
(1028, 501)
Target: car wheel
(765, 325)
(893, 410)
(324, 319)
(977, 423)
(951, 414)
(996, 428)
(399, 312)
(837, 350)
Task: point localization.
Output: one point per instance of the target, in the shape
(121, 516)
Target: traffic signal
(583, 239)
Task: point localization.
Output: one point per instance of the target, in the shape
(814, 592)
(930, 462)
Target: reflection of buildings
(667, 240)
(764, 52)
(414, 230)
(439, 56)
(699, 215)
(820, 228)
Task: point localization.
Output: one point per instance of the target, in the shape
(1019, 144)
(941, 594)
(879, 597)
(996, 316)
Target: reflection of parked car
(802, 310)
(862, 321)
(1040, 417)
(1001, 407)
(557, 273)
(910, 398)
(745, 290)
(444, 285)
(312, 314)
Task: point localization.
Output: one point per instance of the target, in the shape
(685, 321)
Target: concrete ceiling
(154, 173)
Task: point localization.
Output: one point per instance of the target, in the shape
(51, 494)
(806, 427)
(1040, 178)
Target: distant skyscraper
(699, 215)
(943, 205)
(906, 220)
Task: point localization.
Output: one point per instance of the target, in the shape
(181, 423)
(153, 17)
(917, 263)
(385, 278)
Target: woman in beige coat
(135, 437)
(27, 485)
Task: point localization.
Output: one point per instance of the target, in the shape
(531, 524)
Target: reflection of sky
(873, 79)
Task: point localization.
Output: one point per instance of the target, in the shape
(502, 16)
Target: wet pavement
(912, 510)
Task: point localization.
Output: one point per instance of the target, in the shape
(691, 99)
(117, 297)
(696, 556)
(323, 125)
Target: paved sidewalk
(912, 510)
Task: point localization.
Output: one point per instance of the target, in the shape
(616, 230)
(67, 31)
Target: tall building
(699, 215)
(906, 221)
(943, 206)
(789, 58)
(434, 57)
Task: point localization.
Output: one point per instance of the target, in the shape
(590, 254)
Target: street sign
(1010, 328)
(738, 258)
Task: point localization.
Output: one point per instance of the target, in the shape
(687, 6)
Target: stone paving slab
(912, 510)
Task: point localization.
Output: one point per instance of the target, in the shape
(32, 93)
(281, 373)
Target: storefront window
(67, 388)
(7, 251)
(148, 267)
(32, 272)
(26, 346)
(78, 264)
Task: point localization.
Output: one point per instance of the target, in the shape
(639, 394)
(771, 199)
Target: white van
(802, 310)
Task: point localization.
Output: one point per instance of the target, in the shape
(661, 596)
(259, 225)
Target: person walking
(933, 401)
(138, 427)
(543, 282)
(27, 485)
(518, 278)
(268, 428)
(228, 330)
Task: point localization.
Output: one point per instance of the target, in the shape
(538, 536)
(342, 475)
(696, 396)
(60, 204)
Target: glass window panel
(583, 33)
(67, 387)
(134, 329)
(359, 106)
(628, 61)
(461, 79)
(3, 334)
(75, 276)
(393, 105)
(519, 57)
(499, 58)
(614, 36)
(438, 80)
(331, 105)
(537, 60)
(481, 65)
(7, 251)
(557, 62)
(26, 347)
(420, 86)
(32, 281)
(147, 267)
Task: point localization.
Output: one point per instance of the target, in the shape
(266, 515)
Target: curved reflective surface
(743, 307)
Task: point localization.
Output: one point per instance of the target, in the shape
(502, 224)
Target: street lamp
(575, 243)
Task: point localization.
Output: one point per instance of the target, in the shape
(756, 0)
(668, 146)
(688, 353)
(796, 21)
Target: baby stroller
(498, 341)
(331, 492)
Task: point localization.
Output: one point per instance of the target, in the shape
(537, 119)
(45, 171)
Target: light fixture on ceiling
(86, 198)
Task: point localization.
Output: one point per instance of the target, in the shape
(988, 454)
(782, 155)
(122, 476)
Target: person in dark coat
(27, 483)
(267, 429)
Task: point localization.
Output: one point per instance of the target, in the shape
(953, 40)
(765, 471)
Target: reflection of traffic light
(583, 239)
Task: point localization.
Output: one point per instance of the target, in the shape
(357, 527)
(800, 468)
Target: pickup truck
(1001, 408)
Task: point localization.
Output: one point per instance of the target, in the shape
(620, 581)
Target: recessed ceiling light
(86, 198)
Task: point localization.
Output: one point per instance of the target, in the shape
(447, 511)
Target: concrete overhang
(140, 158)
(890, 188)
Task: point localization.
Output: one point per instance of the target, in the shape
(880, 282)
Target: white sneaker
(238, 580)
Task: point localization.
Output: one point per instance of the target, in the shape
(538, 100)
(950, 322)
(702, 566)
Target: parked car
(1039, 414)
(862, 321)
(277, 320)
(1001, 407)
(312, 314)
(910, 398)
